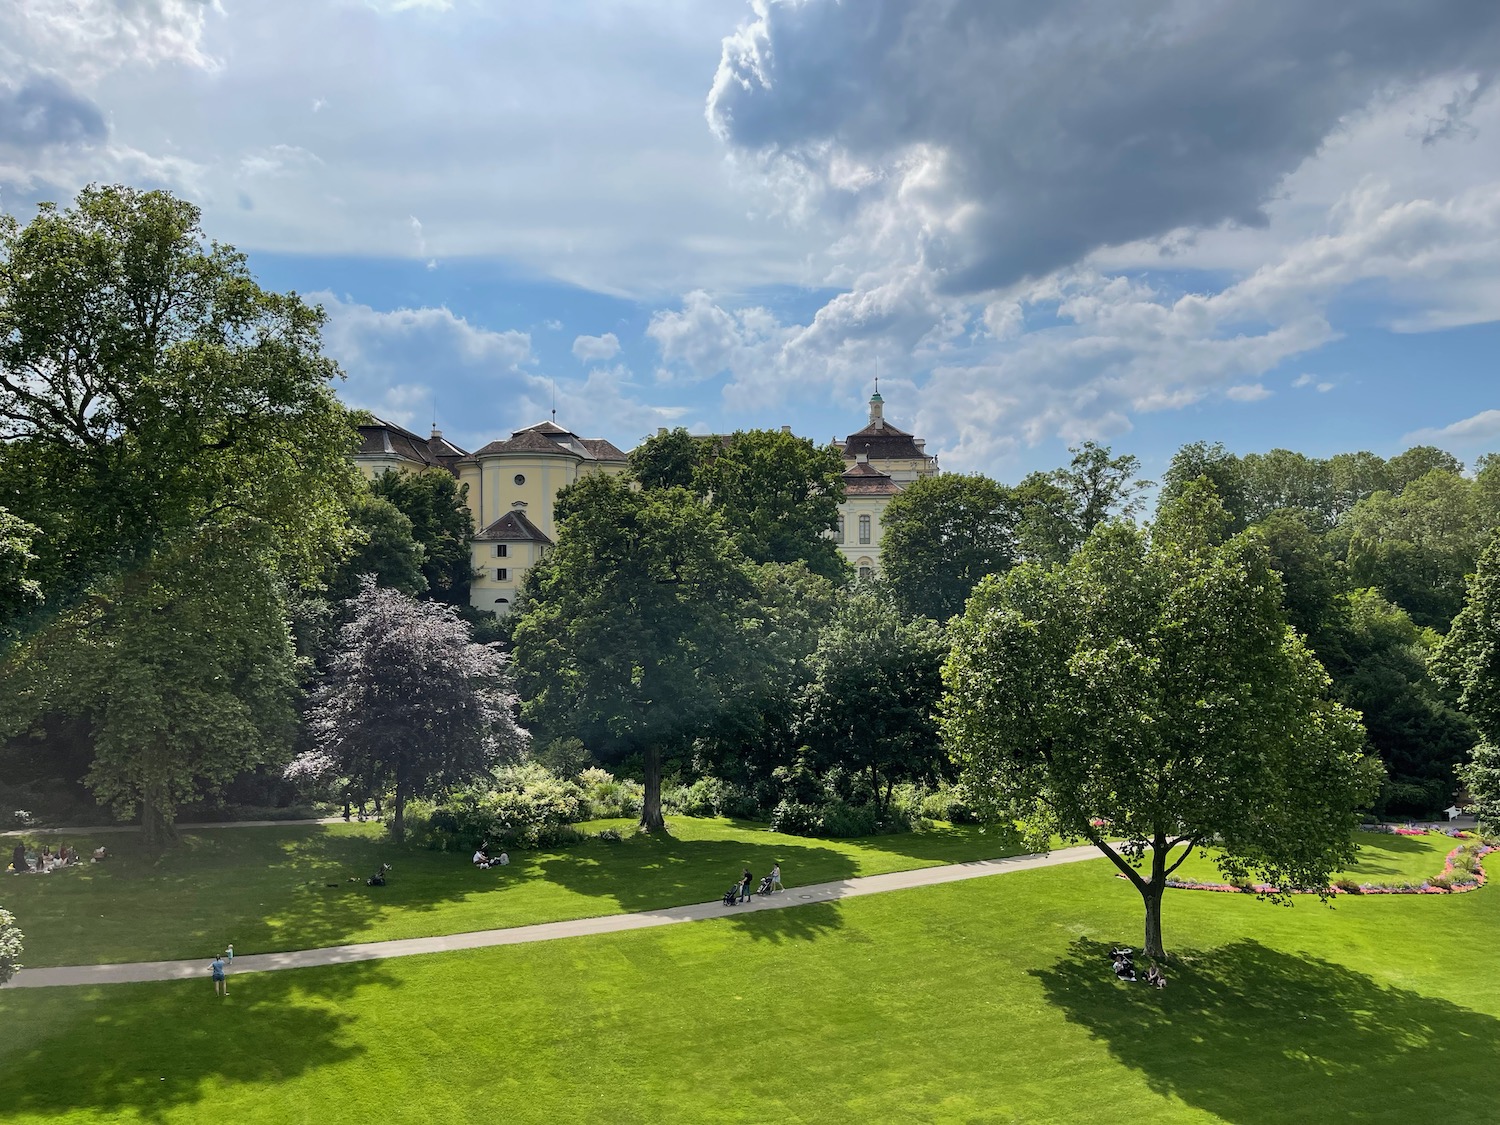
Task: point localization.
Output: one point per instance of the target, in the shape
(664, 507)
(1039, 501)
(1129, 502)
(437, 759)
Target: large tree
(942, 535)
(1419, 545)
(385, 548)
(19, 593)
(410, 702)
(639, 627)
(149, 387)
(182, 669)
(1150, 693)
(870, 706)
(779, 493)
(1469, 662)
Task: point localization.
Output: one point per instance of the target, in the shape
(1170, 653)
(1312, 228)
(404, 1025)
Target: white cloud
(1247, 392)
(1304, 380)
(592, 349)
(1480, 429)
(86, 39)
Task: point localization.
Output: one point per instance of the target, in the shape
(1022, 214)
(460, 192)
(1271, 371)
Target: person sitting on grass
(18, 860)
(101, 853)
(481, 860)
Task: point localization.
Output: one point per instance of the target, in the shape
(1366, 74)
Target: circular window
(520, 478)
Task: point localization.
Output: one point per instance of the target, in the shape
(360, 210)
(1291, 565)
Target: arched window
(866, 573)
(864, 531)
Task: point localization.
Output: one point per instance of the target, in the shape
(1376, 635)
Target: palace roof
(864, 479)
(882, 441)
(513, 527)
(549, 437)
(379, 438)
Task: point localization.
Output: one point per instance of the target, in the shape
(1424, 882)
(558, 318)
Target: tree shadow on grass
(949, 843)
(148, 1049)
(1262, 1037)
(796, 922)
(1392, 855)
(645, 872)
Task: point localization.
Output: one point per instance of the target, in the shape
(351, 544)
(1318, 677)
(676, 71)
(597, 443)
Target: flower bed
(1462, 871)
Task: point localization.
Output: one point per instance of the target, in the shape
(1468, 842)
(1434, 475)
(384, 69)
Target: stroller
(765, 885)
(732, 895)
(378, 879)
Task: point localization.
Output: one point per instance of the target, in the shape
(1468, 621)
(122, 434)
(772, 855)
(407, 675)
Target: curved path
(549, 931)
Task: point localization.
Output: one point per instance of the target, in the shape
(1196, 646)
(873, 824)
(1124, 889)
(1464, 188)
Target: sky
(1035, 222)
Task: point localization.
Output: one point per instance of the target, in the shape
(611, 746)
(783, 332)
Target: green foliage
(609, 796)
(778, 493)
(19, 593)
(565, 757)
(183, 669)
(149, 388)
(10, 945)
(441, 523)
(1060, 509)
(942, 535)
(869, 708)
(1153, 683)
(639, 626)
(1468, 662)
(410, 703)
(1418, 546)
(1384, 675)
(384, 547)
(523, 806)
(711, 796)
(1201, 460)
(1313, 582)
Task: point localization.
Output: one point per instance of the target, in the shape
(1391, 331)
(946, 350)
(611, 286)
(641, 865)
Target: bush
(523, 806)
(949, 804)
(607, 796)
(10, 946)
(1348, 885)
(796, 819)
(843, 820)
(565, 757)
(711, 796)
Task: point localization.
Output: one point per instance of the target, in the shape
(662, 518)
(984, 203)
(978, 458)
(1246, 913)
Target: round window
(520, 478)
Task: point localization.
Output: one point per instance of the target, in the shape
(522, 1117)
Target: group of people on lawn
(46, 860)
(484, 861)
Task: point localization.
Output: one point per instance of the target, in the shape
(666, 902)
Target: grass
(1383, 858)
(990, 1000)
(271, 889)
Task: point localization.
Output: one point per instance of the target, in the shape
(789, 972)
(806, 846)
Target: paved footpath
(549, 931)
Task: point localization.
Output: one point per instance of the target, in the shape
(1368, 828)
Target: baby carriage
(732, 895)
(378, 879)
(765, 885)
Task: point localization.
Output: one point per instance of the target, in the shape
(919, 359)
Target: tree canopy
(1469, 662)
(639, 626)
(942, 535)
(779, 493)
(441, 524)
(410, 702)
(1150, 691)
(870, 705)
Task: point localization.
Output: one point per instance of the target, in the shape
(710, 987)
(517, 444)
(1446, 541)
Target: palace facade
(513, 486)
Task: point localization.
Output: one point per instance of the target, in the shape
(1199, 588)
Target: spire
(877, 406)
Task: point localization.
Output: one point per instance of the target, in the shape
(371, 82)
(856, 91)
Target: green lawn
(1383, 858)
(989, 1000)
(268, 889)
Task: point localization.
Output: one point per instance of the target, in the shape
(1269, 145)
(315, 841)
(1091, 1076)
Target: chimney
(921, 444)
(786, 429)
(661, 431)
(861, 458)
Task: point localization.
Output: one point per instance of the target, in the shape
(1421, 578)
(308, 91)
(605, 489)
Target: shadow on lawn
(643, 872)
(1262, 1037)
(148, 1049)
(1387, 855)
(792, 923)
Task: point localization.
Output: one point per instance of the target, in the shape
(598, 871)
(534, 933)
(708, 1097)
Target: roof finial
(877, 406)
(554, 402)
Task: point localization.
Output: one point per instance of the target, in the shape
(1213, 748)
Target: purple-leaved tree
(410, 702)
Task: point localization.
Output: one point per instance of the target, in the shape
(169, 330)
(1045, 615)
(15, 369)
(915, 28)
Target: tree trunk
(398, 822)
(155, 827)
(1152, 894)
(651, 818)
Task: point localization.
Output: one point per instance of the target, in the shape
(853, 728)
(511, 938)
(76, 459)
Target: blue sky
(1035, 223)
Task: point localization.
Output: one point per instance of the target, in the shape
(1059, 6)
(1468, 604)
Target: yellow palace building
(512, 487)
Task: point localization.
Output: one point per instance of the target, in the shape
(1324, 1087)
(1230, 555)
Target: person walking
(229, 954)
(746, 882)
(221, 986)
(776, 877)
